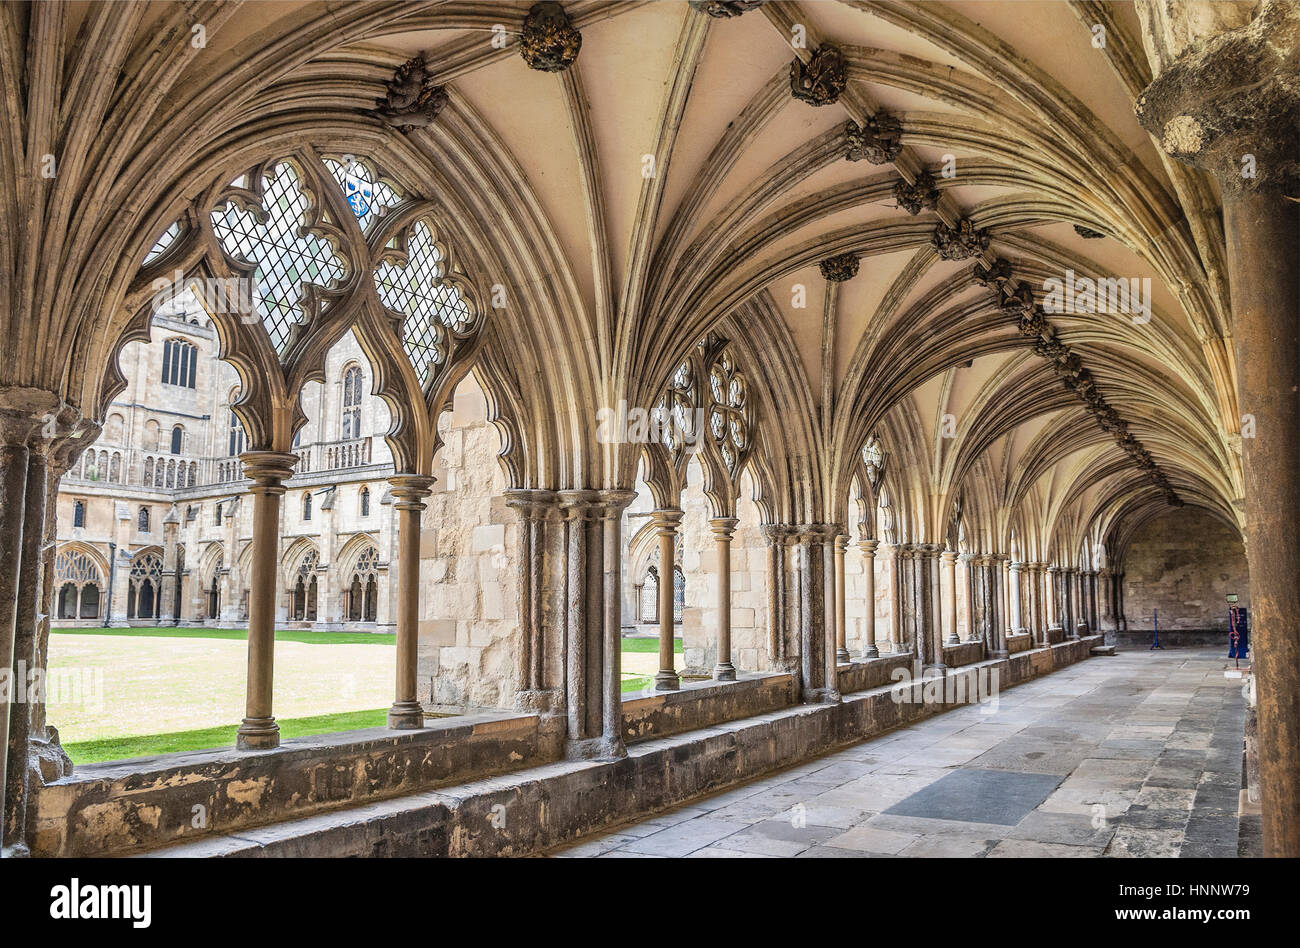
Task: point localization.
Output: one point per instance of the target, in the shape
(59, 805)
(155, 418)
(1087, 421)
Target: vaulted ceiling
(668, 184)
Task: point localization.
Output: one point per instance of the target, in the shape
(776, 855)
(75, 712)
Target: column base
(724, 671)
(871, 652)
(821, 696)
(951, 640)
(667, 681)
(258, 734)
(999, 653)
(406, 716)
(842, 655)
(937, 670)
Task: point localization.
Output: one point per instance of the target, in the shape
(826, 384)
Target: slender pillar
(612, 504)
(267, 470)
(841, 634)
(666, 522)
(967, 580)
(998, 639)
(1016, 623)
(948, 593)
(895, 643)
(535, 509)
(409, 492)
(723, 530)
(868, 548)
(932, 605)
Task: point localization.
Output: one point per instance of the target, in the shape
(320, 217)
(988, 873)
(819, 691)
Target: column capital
(530, 502)
(841, 542)
(409, 490)
(1015, 566)
(868, 546)
(577, 503)
(614, 500)
(777, 533)
(724, 528)
(1229, 103)
(948, 556)
(267, 469)
(666, 521)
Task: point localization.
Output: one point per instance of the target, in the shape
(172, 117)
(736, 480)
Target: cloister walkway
(1134, 755)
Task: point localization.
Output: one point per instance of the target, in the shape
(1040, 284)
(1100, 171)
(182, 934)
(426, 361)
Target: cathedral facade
(155, 528)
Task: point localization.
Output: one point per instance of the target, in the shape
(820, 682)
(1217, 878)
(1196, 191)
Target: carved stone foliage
(1015, 300)
(914, 198)
(995, 276)
(878, 141)
(960, 242)
(1087, 233)
(549, 41)
(724, 9)
(822, 79)
(841, 267)
(413, 99)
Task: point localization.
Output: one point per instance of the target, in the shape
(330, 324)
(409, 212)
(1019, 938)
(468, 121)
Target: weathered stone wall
(1184, 563)
(469, 569)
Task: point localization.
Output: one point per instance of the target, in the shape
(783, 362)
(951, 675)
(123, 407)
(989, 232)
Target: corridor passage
(1133, 755)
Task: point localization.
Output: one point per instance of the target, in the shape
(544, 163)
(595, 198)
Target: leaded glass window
(285, 253)
(428, 304)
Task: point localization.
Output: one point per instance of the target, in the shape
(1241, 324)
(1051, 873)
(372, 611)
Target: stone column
(841, 634)
(612, 504)
(1016, 622)
(1053, 599)
(932, 605)
(535, 509)
(777, 538)
(1121, 620)
(723, 530)
(1228, 102)
(409, 491)
(666, 522)
(948, 593)
(816, 634)
(895, 599)
(968, 582)
(1039, 586)
(998, 640)
(868, 548)
(267, 470)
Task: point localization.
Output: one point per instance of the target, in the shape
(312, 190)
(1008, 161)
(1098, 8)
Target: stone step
(1102, 650)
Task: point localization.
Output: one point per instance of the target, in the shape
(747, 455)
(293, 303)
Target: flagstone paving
(1133, 755)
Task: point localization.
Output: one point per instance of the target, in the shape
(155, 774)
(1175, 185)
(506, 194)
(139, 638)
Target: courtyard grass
(147, 745)
(155, 691)
(304, 636)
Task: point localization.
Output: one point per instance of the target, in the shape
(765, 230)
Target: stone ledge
(1019, 643)
(532, 810)
(861, 674)
(700, 704)
(101, 809)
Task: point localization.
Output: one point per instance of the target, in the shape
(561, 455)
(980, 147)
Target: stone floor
(1133, 755)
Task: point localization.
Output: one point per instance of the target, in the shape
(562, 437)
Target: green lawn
(164, 690)
(648, 645)
(305, 636)
(147, 745)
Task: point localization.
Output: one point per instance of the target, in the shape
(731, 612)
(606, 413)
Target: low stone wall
(542, 807)
(101, 809)
(1174, 638)
(1019, 643)
(967, 653)
(1056, 634)
(704, 704)
(861, 674)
